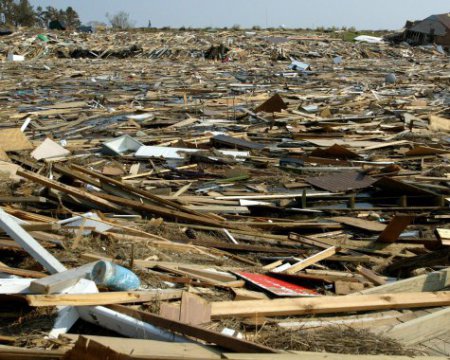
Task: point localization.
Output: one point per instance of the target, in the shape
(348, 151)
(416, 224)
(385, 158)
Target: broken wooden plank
(391, 233)
(370, 275)
(312, 260)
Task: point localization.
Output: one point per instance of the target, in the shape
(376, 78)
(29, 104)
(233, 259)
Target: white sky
(363, 14)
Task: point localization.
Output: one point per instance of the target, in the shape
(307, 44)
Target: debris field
(228, 194)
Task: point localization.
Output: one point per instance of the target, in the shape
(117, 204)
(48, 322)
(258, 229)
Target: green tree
(8, 8)
(40, 17)
(72, 18)
(24, 14)
(50, 14)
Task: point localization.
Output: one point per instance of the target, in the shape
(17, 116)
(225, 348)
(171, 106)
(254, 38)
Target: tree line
(22, 13)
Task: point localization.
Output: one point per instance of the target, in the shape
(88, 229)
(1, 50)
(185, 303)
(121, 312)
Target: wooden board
(119, 297)
(194, 309)
(3, 155)
(142, 348)
(438, 123)
(303, 264)
(328, 304)
(395, 228)
(433, 281)
(14, 140)
(422, 328)
(444, 236)
(367, 225)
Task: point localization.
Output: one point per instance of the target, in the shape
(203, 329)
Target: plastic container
(390, 79)
(114, 277)
(13, 57)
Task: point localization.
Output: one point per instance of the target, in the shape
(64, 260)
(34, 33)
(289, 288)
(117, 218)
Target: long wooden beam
(327, 304)
(108, 298)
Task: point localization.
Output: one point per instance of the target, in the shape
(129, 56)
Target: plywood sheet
(14, 140)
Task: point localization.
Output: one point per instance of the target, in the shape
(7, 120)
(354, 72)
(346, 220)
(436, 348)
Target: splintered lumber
(395, 228)
(327, 304)
(111, 202)
(312, 260)
(420, 329)
(108, 298)
(227, 342)
(144, 193)
(16, 232)
(173, 214)
(78, 193)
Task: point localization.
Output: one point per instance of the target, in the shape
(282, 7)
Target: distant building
(433, 29)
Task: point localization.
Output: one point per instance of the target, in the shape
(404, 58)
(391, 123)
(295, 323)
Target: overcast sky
(363, 14)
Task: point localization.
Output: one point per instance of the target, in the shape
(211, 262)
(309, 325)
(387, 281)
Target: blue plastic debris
(114, 277)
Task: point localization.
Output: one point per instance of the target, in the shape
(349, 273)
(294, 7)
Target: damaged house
(433, 29)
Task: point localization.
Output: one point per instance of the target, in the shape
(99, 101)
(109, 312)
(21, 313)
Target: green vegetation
(22, 13)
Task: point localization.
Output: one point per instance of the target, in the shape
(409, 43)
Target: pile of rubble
(276, 194)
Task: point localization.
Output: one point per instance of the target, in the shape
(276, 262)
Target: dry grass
(333, 339)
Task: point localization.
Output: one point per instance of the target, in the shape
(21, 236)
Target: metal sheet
(342, 181)
(276, 286)
(237, 143)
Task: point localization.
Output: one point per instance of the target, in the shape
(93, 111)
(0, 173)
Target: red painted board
(276, 286)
